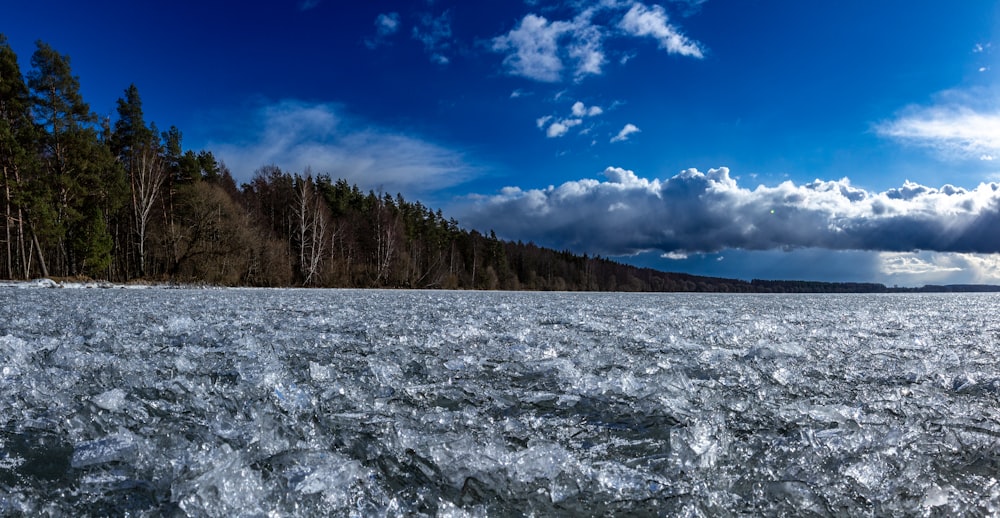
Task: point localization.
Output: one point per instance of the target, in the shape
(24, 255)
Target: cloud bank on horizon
(696, 212)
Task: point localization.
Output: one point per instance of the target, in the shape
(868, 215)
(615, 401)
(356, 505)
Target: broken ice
(319, 402)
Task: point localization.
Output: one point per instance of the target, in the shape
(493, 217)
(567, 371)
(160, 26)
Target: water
(361, 403)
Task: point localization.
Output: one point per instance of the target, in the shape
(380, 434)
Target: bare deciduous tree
(313, 224)
(145, 182)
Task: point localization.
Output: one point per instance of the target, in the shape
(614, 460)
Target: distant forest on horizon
(85, 198)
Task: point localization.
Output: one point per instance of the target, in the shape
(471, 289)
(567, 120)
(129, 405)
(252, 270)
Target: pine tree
(17, 135)
(74, 163)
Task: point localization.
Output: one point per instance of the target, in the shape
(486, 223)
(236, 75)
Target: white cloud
(586, 47)
(560, 127)
(536, 51)
(581, 110)
(955, 128)
(540, 49)
(652, 21)
(910, 263)
(676, 256)
(625, 132)
(982, 268)
(696, 212)
(534, 44)
(295, 135)
(917, 268)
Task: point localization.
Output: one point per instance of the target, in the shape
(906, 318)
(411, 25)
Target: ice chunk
(44, 283)
(179, 324)
(112, 400)
(229, 488)
(541, 460)
(320, 372)
(291, 397)
(935, 496)
(331, 475)
(699, 444)
(118, 446)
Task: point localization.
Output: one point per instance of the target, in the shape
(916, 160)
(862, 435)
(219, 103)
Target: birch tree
(140, 153)
(313, 224)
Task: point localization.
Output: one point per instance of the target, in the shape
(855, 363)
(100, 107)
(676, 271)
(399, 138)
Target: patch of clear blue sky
(785, 88)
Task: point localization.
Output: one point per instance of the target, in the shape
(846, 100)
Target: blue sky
(852, 140)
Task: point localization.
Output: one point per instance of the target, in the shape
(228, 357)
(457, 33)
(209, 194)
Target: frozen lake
(319, 402)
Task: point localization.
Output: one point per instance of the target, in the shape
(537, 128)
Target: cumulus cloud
(625, 132)
(540, 49)
(558, 126)
(296, 135)
(954, 128)
(696, 212)
(535, 50)
(581, 110)
(653, 22)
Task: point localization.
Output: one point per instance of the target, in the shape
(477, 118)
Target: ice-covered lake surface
(320, 402)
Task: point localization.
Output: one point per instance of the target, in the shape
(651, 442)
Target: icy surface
(315, 403)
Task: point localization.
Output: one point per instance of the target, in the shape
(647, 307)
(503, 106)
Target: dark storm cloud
(707, 212)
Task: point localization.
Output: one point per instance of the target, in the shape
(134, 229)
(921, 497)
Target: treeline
(80, 197)
(123, 201)
(766, 286)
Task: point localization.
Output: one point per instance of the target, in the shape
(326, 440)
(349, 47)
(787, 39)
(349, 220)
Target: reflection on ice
(298, 402)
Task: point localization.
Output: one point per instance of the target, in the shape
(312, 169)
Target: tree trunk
(8, 222)
(41, 258)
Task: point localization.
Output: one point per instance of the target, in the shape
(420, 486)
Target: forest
(122, 201)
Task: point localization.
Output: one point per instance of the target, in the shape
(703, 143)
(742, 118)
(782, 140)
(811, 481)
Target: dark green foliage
(18, 136)
(83, 182)
(91, 243)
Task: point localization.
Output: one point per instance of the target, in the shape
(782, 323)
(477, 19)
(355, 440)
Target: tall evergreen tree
(17, 135)
(75, 163)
